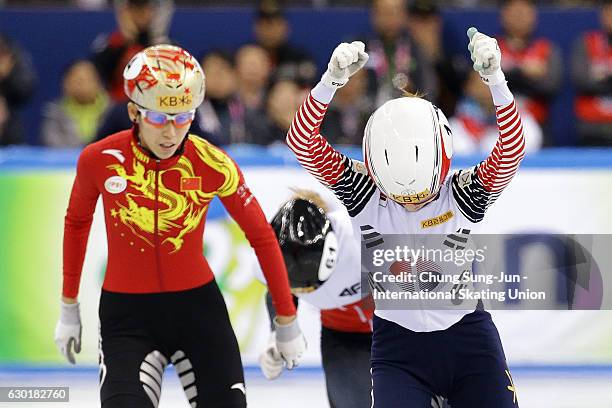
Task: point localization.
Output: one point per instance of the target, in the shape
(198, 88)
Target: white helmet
(407, 148)
(164, 78)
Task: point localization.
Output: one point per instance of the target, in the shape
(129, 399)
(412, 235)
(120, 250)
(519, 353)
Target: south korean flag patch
(464, 178)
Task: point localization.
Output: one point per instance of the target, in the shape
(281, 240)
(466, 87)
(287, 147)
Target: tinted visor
(160, 119)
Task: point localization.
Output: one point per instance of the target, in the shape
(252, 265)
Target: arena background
(559, 359)
(556, 191)
(316, 30)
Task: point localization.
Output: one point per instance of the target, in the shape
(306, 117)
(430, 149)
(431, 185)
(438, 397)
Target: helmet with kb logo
(407, 149)
(164, 78)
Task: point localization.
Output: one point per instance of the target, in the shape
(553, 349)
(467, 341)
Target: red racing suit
(155, 212)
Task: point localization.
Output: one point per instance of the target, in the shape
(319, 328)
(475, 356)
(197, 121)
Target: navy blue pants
(464, 363)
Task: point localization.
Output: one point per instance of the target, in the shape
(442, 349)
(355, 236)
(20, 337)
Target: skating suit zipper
(155, 230)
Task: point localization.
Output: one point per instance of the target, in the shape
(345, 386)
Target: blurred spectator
(91, 4)
(115, 119)
(283, 101)
(592, 74)
(312, 3)
(73, 119)
(396, 62)
(17, 84)
(532, 65)
(474, 124)
(253, 69)
(221, 116)
(348, 115)
(11, 131)
(426, 27)
(140, 23)
(272, 33)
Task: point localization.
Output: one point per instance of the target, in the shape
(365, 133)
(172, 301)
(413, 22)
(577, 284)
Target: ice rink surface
(550, 387)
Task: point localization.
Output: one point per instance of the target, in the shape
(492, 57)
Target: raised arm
(477, 188)
(347, 178)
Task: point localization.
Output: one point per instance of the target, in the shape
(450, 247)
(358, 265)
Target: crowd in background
(253, 91)
(98, 4)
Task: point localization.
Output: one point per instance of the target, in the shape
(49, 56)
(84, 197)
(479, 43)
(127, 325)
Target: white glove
(68, 331)
(344, 62)
(290, 342)
(270, 361)
(486, 56)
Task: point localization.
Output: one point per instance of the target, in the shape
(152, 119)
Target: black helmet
(307, 242)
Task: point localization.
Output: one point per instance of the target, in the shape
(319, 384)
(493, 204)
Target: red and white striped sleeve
(349, 182)
(476, 189)
(502, 164)
(313, 152)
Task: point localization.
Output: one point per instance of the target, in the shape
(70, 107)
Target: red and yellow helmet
(164, 78)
